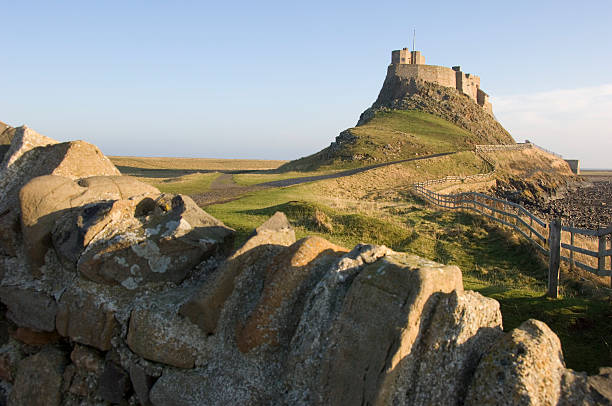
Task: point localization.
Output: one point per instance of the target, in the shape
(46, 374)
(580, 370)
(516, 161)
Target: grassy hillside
(391, 135)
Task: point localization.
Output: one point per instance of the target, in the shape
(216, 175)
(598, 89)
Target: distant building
(407, 64)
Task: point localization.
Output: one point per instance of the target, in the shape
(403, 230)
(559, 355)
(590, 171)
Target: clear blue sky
(280, 80)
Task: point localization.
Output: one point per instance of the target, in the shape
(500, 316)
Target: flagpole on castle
(413, 37)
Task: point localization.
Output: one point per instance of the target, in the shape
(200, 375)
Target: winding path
(223, 189)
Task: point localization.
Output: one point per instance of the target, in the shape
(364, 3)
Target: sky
(280, 80)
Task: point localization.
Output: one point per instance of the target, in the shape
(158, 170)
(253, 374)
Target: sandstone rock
(161, 336)
(114, 383)
(204, 307)
(46, 198)
(35, 338)
(524, 366)
(32, 155)
(311, 340)
(379, 324)
(150, 240)
(290, 275)
(39, 379)
(142, 383)
(22, 140)
(452, 340)
(29, 308)
(85, 319)
(74, 160)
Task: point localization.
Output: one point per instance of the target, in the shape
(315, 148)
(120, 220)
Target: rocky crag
(444, 102)
(114, 293)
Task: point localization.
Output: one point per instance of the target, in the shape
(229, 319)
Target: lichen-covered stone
(146, 240)
(39, 379)
(161, 336)
(524, 366)
(85, 319)
(204, 307)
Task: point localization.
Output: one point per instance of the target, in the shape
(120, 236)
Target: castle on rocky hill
(406, 64)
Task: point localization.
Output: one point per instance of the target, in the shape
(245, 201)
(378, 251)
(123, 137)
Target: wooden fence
(547, 237)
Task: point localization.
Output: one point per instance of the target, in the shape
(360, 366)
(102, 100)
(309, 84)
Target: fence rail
(546, 237)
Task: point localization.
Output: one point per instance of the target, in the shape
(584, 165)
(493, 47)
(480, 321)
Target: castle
(406, 64)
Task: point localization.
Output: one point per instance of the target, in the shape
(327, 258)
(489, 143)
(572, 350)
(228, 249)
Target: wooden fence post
(601, 260)
(554, 247)
(571, 253)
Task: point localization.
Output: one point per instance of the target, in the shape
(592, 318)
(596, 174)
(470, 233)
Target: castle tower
(406, 57)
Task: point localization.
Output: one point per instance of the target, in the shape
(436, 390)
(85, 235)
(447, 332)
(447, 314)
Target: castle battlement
(406, 64)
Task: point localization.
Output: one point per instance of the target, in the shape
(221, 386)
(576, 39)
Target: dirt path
(223, 189)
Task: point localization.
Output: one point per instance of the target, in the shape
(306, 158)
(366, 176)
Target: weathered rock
(29, 308)
(142, 383)
(39, 379)
(163, 244)
(379, 325)
(21, 140)
(32, 155)
(524, 366)
(204, 307)
(35, 338)
(85, 319)
(311, 340)
(44, 199)
(452, 340)
(292, 273)
(161, 336)
(114, 383)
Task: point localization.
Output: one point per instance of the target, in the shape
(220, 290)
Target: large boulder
(526, 367)
(45, 199)
(31, 155)
(204, 307)
(140, 240)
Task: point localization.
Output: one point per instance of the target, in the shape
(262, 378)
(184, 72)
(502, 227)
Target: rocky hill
(114, 293)
(409, 118)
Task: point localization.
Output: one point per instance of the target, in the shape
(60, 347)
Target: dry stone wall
(163, 314)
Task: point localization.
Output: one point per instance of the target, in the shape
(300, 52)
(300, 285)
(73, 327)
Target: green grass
(187, 184)
(493, 261)
(390, 136)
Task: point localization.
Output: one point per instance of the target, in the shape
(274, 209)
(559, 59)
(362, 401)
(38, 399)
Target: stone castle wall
(429, 73)
(464, 82)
